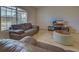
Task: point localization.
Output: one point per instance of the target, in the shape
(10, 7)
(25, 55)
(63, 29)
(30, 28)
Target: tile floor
(45, 36)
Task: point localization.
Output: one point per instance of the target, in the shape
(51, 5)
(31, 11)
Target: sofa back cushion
(28, 26)
(24, 26)
(17, 26)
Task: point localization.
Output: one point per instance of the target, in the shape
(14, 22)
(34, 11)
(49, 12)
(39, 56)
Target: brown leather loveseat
(19, 31)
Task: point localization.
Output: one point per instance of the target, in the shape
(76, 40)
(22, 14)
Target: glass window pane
(13, 20)
(3, 18)
(3, 23)
(8, 22)
(19, 17)
(9, 16)
(3, 12)
(22, 17)
(13, 17)
(13, 13)
(8, 12)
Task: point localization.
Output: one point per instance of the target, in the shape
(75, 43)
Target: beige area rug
(46, 36)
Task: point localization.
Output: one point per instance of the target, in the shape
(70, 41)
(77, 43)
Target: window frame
(11, 17)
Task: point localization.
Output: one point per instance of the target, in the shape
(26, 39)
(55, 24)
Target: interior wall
(69, 13)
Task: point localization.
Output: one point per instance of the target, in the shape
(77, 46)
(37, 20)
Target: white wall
(69, 13)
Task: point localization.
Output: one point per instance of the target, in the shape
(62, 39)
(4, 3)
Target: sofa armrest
(50, 47)
(10, 28)
(33, 48)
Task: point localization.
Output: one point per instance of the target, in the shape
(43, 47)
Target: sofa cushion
(17, 26)
(23, 26)
(29, 40)
(9, 45)
(18, 31)
(28, 26)
(30, 31)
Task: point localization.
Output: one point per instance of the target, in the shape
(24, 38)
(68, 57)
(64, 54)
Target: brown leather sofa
(28, 44)
(19, 31)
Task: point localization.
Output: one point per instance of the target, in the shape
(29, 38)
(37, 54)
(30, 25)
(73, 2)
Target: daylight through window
(12, 15)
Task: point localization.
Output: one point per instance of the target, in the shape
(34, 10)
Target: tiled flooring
(45, 36)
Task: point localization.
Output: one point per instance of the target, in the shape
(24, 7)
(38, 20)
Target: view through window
(12, 15)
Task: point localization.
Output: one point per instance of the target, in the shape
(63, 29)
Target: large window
(12, 15)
